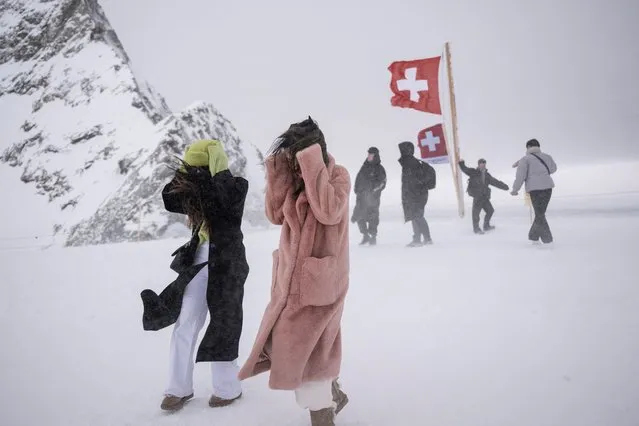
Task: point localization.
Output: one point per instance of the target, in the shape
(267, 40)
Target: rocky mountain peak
(85, 132)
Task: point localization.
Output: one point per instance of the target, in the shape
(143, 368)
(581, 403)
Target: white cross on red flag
(432, 144)
(415, 84)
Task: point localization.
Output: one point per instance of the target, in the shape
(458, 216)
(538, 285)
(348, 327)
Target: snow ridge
(135, 211)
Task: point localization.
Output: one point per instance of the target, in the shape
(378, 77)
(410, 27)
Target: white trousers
(192, 317)
(315, 396)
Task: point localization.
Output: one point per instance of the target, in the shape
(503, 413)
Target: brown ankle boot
(324, 417)
(216, 401)
(339, 397)
(174, 403)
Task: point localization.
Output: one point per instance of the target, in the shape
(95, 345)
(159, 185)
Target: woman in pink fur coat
(299, 340)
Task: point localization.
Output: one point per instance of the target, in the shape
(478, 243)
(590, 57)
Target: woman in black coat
(212, 270)
(369, 184)
(417, 179)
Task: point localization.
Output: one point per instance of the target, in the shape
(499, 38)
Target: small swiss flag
(432, 144)
(415, 84)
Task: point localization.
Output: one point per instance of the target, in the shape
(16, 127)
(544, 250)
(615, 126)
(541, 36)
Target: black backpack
(431, 176)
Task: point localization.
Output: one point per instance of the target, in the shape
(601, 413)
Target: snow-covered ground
(472, 331)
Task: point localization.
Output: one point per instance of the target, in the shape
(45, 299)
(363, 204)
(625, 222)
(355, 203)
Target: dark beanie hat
(373, 150)
(532, 142)
(481, 160)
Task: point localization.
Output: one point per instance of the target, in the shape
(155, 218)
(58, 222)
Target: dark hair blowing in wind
(298, 137)
(189, 183)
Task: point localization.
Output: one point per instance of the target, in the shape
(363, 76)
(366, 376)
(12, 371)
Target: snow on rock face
(67, 50)
(136, 211)
(84, 131)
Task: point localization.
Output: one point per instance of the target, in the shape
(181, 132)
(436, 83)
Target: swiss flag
(415, 84)
(432, 144)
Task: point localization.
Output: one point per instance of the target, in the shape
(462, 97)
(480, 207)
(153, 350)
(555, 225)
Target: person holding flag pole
(479, 184)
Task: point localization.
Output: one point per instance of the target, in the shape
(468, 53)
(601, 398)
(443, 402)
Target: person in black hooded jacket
(418, 178)
(479, 189)
(369, 184)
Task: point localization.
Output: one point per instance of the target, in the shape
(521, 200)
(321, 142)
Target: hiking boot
(339, 397)
(488, 228)
(324, 417)
(174, 403)
(365, 240)
(415, 244)
(216, 401)
(428, 242)
(479, 231)
(373, 240)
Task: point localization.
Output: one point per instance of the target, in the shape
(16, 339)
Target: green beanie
(207, 153)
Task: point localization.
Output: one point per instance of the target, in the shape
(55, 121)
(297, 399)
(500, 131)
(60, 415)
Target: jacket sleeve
(498, 184)
(522, 173)
(278, 182)
(467, 170)
(552, 165)
(172, 201)
(381, 183)
(224, 198)
(327, 195)
(358, 182)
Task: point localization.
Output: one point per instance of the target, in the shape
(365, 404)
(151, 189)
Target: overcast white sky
(563, 71)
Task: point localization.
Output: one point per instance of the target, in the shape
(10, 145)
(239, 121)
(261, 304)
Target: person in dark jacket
(479, 184)
(417, 178)
(212, 271)
(369, 184)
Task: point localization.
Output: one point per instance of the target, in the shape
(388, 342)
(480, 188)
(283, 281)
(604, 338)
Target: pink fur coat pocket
(320, 281)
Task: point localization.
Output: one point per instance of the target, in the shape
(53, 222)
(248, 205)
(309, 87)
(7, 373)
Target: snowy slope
(472, 331)
(135, 211)
(80, 126)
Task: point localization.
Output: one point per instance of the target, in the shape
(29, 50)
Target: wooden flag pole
(455, 154)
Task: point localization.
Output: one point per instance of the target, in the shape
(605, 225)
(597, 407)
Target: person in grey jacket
(534, 169)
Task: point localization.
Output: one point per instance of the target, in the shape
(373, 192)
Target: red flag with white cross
(415, 84)
(432, 144)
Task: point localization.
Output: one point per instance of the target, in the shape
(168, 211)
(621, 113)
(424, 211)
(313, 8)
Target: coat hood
(407, 149)
(377, 160)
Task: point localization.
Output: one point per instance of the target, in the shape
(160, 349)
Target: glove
(218, 161)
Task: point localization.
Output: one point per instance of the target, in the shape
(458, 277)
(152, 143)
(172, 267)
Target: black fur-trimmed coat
(223, 197)
(417, 176)
(369, 184)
